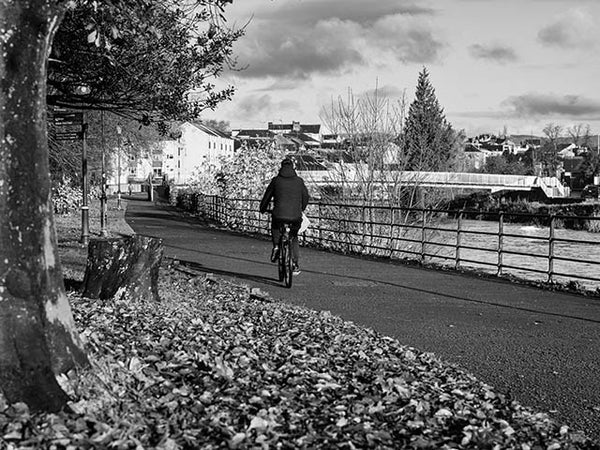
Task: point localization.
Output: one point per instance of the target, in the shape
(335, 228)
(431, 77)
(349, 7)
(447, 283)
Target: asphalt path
(542, 348)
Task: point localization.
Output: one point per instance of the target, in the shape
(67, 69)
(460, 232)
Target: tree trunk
(37, 331)
(123, 268)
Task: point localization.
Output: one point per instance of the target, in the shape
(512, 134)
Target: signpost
(70, 125)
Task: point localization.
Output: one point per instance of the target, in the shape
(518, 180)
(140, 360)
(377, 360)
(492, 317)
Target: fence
(498, 243)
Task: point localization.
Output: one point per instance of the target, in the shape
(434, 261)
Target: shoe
(275, 254)
(296, 269)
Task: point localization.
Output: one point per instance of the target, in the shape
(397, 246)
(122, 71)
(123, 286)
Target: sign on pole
(68, 124)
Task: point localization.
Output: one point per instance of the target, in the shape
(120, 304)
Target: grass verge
(218, 365)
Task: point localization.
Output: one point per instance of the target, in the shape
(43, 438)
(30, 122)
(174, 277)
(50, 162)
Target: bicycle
(285, 263)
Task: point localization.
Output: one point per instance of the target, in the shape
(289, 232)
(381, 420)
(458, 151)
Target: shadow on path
(256, 278)
(274, 282)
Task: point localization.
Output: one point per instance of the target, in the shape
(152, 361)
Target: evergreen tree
(429, 139)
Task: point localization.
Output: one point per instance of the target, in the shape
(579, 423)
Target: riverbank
(217, 365)
(577, 215)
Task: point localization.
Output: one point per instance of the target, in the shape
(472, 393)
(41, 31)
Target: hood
(287, 172)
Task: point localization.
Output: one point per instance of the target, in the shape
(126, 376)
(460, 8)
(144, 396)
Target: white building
(175, 159)
(198, 146)
(128, 169)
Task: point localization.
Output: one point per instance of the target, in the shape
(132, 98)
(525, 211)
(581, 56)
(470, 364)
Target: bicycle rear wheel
(281, 262)
(286, 256)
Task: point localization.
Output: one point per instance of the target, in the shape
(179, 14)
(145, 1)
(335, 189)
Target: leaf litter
(216, 366)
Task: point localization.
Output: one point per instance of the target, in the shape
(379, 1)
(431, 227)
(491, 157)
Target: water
(530, 249)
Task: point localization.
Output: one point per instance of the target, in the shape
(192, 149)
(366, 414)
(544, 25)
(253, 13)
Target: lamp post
(119, 167)
(84, 90)
(103, 232)
(85, 209)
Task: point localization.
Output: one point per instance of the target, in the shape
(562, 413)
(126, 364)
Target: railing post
(364, 228)
(458, 240)
(423, 216)
(500, 242)
(391, 232)
(551, 248)
(226, 208)
(320, 226)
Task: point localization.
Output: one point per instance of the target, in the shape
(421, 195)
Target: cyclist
(290, 198)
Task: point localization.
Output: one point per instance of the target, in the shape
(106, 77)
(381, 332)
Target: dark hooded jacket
(289, 194)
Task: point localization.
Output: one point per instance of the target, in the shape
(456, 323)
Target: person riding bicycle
(290, 198)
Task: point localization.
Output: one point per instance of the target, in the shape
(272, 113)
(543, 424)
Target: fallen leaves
(214, 365)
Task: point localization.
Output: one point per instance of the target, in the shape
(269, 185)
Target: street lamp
(82, 90)
(119, 167)
(103, 231)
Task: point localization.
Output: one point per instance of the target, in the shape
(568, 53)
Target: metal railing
(500, 243)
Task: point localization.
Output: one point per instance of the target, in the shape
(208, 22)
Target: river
(524, 239)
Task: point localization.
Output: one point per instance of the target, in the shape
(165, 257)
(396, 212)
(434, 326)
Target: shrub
(66, 198)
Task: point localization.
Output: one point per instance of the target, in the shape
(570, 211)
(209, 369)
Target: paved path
(541, 347)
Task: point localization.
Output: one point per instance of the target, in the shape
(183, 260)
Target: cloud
(551, 105)
(575, 29)
(357, 11)
(494, 53)
(479, 114)
(386, 91)
(280, 85)
(279, 50)
(263, 105)
(404, 39)
(301, 39)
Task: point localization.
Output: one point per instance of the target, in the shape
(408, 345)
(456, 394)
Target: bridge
(551, 186)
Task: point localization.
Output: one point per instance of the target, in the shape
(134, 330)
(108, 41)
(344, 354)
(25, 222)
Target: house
(252, 137)
(296, 128)
(567, 150)
(532, 142)
(302, 141)
(198, 146)
(130, 167)
(573, 174)
(281, 142)
(176, 158)
(291, 137)
(332, 141)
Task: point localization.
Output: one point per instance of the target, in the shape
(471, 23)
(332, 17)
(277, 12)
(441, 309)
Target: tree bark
(123, 268)
(37, 331)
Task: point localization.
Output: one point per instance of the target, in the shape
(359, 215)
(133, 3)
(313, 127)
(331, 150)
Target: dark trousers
(276, 226)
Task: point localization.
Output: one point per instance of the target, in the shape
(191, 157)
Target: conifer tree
(428, 138)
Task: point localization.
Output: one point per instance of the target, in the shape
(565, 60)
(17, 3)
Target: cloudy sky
(519, 64)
